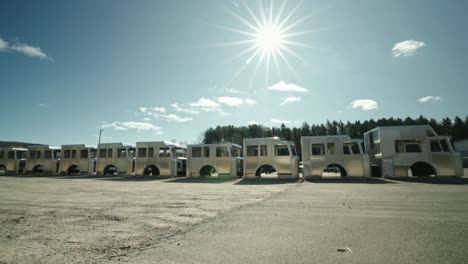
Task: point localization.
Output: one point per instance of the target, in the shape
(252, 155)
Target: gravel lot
(94, 220)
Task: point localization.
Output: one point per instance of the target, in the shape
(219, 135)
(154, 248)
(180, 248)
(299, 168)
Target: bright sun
(269, 37)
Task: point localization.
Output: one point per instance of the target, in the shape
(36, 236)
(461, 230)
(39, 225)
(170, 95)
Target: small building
(43, 160)
(401, 151)
(334, 155)
(160, 158)
(270, 157)
(115, 158)
(213, 160)
(12, 160)
(77, 159)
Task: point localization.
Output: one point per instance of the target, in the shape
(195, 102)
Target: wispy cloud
(3, 45)
(176, 118)
(253, 123)
(407, 48)
(279, 121)
(364, 104)
(230, 101)
(43, 105)
(184, 110)
(290, 99)
(250, 101)
(235, 101)
(206, 104)
(161, 112)
(139, 126)
(23, 48)
(429, 98)
(287, 87)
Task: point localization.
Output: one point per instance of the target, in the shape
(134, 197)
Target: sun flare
(270, 39)
(268, 35)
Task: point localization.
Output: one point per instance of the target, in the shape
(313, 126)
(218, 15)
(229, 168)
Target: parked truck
(115, 158)
(401, 151)
(43, 160)
(160, 158)
(12, 160)
(223, 159)
(270, 157)
(77, 159)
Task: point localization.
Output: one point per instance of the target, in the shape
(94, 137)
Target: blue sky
(163, 70)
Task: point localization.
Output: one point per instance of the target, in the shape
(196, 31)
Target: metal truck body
(160, 158)
(270, 157)
(115, 158)
(77, 159)
(214, 160)
(43, 160)
(12, 161)
(400, 151)
(339, 154)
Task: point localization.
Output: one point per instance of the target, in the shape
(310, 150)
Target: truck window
(67, 154)
(196, 152)
(355, 148)
(109, 153)
(206, 152)
(293, 150)
(235, 152)
(121, 153)
(179, 152)
(263, 150)
(48, 154)
(318, 149)
(84, 154)
(252, 151)
(222, 152)
(413, 147)
(435, 146)
(142, 152)
(2, 154)
(102, 153)
(11, 155)
(131, 152)
(281, 150)
(444, 145)
(150, 152)
(20, 154)
(73, 154)
(346, 150)
(56, 154)
(407, 146)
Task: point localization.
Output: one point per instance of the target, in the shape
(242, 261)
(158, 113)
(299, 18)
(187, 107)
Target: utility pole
(99, 141)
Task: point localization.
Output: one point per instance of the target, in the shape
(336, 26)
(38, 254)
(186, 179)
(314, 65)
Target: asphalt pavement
(332, 221)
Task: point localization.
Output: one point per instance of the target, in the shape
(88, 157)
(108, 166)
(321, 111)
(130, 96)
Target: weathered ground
(90, 219)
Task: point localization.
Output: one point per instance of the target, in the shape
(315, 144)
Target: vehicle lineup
(393, 151)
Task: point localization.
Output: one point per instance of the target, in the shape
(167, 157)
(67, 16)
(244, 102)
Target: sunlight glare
(270, 39)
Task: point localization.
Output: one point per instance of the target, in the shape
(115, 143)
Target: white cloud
(184, 110)
(176, 118)
(231, 101)
(429, 98)
(278, 121)
(364, 104)
(3, 45)
(206, 104)
(161, 110)
(290, 99)
(143, 109)
(23, 48)
(146, 119)
(139, 126)
(29, 51)
(253, 123)
(287, 87)
(406, 48)
(250, 101)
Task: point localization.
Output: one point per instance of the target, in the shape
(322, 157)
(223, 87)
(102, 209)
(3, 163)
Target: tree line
(457, 128)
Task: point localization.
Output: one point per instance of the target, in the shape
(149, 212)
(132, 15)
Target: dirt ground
(95, 219)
